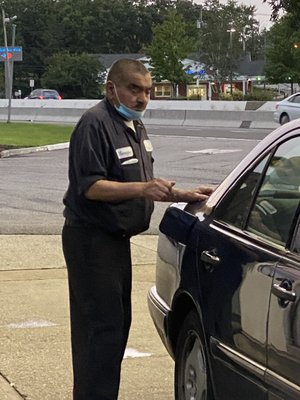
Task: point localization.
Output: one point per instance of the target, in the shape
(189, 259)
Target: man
(109, 199)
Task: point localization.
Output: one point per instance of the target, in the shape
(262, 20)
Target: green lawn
(30, 135)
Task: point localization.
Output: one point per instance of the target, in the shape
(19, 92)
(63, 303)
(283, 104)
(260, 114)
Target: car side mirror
(177, 224)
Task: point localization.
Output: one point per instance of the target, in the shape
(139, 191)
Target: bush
(225, 96)
(237, 95)
(256, 95)
(260, 95)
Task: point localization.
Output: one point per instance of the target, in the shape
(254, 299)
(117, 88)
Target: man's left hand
(198, 194)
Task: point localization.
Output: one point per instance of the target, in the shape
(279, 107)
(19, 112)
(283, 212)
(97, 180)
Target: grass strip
(31, 135)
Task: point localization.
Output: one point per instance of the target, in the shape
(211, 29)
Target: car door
(283, 366)
(247, 239)
(294, 107)
(273, 216)
(236, 269)
(283, 372)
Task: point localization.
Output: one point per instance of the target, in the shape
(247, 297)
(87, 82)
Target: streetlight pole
(231, 31)
(7, 77)
(8, 63)
(11, 61)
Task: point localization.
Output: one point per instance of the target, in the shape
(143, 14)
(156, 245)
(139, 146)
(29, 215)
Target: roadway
(33, 185)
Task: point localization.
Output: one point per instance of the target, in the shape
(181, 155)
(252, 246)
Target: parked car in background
(226, 302)
(288, 109)
(44, 94)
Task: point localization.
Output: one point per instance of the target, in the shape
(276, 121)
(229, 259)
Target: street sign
(14, 53)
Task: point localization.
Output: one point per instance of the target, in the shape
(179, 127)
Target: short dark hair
(120, 69)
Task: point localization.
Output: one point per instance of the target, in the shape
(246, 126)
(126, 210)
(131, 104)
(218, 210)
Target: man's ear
(110, 89)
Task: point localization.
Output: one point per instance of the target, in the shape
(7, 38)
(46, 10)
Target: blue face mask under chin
(129, 113)
(126, 112)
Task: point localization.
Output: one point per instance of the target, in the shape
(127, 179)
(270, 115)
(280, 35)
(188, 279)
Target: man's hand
(158, 189)
(198, 194)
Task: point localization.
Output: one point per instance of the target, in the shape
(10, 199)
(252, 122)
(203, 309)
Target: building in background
(202, 87)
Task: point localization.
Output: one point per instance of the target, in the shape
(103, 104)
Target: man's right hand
(158, 189)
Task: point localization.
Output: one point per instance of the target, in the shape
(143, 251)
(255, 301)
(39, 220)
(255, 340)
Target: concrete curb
(28, 150)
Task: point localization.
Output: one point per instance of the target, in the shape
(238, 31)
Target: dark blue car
(226, 303)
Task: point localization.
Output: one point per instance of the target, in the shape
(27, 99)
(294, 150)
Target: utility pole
(7, 74)
(11, 61)
(231, 30)
(8, 62)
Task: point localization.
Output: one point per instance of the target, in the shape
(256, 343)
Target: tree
(169, 47)
(290, 6)
(219, 49)
(74, 75)
(283, 53)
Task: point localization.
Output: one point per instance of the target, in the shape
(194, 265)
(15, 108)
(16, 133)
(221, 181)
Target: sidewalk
(35, 361)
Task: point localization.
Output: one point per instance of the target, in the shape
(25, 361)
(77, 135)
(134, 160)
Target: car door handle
(284, 294)
(210, 257)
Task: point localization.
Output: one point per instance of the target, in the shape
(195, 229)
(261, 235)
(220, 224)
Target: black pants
(99, 273)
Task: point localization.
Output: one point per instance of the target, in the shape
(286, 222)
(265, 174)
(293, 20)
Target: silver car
(288, 109)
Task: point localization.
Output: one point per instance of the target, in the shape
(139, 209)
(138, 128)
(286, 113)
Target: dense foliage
(283, 53)
(52, 31)
(166, 59)
(221, 49)
(290, 6)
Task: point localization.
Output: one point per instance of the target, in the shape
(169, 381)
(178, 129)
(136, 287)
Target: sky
(263, 12)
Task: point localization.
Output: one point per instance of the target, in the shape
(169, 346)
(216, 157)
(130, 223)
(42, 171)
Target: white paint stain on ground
(133, 353)
(213, 151)
(34, 323)
(129, 352)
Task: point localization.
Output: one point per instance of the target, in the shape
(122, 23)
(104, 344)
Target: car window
(278, 198)
(296, 99)
(236, 206)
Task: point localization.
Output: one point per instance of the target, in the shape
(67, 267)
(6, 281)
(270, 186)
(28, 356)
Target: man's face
(134, 91)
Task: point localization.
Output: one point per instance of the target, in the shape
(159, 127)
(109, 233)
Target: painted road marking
(202, 137)
(34, 323)
(213, 151)
(133, 353)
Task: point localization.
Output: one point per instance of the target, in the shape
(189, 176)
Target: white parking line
(213, 151)
(34, 323)
(133, 353)
(203, 137)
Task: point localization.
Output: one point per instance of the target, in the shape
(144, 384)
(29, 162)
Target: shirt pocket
(131, 170)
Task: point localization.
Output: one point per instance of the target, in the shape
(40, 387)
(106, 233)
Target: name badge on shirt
(148, 145)
(124, 152)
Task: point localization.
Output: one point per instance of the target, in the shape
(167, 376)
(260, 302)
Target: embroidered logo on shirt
(130, 161)
(124, 152)
(148, 145)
